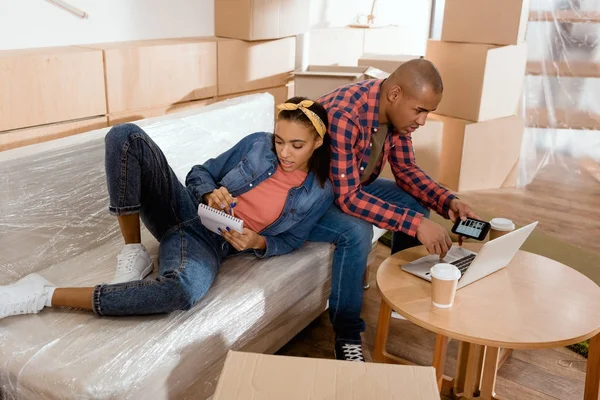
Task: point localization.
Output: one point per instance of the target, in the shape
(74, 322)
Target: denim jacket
(247, 164)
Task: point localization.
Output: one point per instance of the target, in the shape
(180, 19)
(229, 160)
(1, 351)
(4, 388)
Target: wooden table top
(534, 302)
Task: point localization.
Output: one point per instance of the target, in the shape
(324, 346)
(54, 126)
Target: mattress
(54, 221)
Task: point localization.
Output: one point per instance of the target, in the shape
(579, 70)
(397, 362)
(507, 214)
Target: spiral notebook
(214, 219)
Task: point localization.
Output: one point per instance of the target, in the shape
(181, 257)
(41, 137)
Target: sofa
(54, 221)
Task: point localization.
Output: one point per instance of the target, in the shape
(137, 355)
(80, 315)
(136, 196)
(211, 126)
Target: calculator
(472, 228)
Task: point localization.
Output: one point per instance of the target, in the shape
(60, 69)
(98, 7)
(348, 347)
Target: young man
(370, 122)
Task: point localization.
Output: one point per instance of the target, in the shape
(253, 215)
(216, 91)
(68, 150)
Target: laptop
(493, 256)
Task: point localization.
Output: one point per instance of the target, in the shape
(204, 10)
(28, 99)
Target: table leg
(592, 377)
(504, 355)
(461, 367)
(439, 358)
(490, 367)
(383, 328)
(472, 372)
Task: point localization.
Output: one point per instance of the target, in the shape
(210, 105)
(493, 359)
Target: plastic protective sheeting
(561, 100)
(54, 220)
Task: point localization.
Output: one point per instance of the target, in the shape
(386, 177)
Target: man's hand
(434, 237)
(220, 199)
(243, 241)
(461, 210)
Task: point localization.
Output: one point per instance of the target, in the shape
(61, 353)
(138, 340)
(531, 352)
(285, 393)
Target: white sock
(133, 246)
(49, 291)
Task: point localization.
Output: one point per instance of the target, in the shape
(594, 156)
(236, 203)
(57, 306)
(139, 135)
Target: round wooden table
(534, 302)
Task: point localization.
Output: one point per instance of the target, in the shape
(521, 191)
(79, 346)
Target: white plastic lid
(502, 224)
(445, 272)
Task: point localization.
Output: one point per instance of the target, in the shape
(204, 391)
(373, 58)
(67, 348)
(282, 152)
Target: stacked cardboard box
(149, 78)
(48, 93)
(256, 46)
(482, 59)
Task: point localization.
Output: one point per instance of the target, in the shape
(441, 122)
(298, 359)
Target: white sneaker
(133, 263)
(26, 296)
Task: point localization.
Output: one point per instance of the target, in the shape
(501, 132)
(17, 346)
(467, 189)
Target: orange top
(262, 205)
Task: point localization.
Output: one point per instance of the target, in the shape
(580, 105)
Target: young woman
(276, 183)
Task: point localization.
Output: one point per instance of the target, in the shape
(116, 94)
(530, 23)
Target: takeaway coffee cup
(500, 226)
(444, 280)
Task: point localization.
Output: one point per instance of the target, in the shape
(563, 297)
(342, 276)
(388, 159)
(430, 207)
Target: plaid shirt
(353, 116)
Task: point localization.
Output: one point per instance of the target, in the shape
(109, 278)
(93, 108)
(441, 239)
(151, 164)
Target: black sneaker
(349, 350)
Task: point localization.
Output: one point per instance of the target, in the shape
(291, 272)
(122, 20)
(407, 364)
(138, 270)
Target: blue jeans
(353, 239)
(140, 180)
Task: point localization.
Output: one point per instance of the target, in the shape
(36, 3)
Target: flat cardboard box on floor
(385, 62)
(261, 19)
(481, 82)
(248, 376)
(480, 155)
(427, 146)
(154, 73)
(317, 80)
(500, 22)
(247, 66)
(50, 85)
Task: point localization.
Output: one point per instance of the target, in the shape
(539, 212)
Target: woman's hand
(220, 199)
(243, 241)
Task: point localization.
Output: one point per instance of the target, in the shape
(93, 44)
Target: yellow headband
(312, 116)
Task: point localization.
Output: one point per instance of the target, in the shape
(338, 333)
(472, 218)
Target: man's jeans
(353, 239)
(140, 181)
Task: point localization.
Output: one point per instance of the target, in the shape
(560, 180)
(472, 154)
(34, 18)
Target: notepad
(214, 219)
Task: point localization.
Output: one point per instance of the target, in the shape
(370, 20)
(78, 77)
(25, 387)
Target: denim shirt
(247, 164)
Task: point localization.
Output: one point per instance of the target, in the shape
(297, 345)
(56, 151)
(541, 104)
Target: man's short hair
(418, 73)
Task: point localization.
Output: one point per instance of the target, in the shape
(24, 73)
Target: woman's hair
(321, 158)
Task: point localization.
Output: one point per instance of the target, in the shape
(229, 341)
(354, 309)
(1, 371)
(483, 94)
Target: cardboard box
(247, 66)
(153, 73)
(500, 22)
(481, 82)
(49, 85)
(280, 94)
(480, 155)
(318, 80)
(427, 145)
(385, 62)
(266, 377)
(136, 115)
(27, 136)
(261, 19)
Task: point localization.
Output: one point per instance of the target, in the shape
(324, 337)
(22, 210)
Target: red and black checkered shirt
(353, 116)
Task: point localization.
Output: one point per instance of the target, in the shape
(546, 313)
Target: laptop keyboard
(463, 263)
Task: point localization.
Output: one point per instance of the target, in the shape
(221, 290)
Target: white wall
(37, 23)
(412, 16)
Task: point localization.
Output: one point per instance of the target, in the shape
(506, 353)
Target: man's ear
(394, 93)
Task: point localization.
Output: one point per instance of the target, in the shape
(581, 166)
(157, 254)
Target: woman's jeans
(140, 181)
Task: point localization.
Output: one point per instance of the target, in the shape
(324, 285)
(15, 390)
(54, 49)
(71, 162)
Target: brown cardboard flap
(248, 376)
(151, 73)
